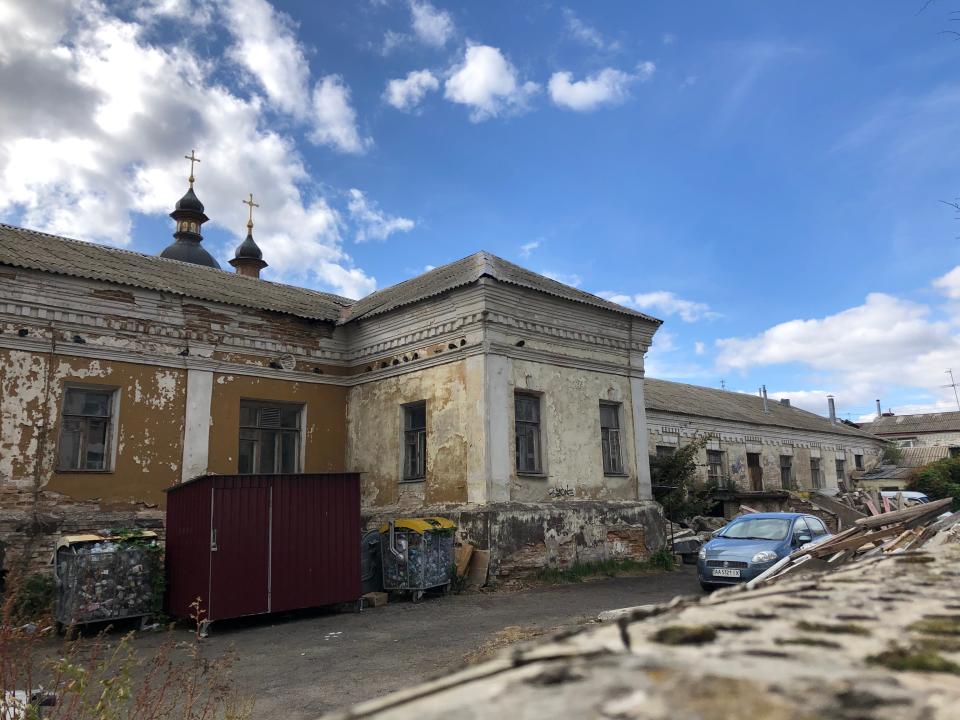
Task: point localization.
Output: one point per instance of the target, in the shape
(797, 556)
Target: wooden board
(462, 558)
(477, 572)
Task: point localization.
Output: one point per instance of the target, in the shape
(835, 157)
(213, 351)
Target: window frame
(110, 433)
(419, 434)
(668, 451)
(840, 465)
(278, 440)
(816, 473)
(606, 435)
(858, 462)
(538, 434)
(788, 466)
(718, 476)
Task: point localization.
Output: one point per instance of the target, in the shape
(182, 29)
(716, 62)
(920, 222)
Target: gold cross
(252, 205)
(193, 159)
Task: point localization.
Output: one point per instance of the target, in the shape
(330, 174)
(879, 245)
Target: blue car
(750, 544)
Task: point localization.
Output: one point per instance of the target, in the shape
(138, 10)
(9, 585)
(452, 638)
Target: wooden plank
(747, 509)
(917, 511)
(886, 503)
(479, 565)
(462, 558)
(901, 503)
(856, 541)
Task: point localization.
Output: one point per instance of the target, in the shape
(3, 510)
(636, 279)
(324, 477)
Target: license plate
(726, 572)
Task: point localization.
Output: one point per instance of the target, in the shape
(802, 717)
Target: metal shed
(252, 544)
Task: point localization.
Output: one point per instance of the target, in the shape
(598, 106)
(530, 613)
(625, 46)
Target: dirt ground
(302, 665)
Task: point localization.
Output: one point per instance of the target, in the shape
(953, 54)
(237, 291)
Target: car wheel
(707, 587)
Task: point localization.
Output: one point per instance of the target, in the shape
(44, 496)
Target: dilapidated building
(754, 444)
(509, 401)
(924, 430)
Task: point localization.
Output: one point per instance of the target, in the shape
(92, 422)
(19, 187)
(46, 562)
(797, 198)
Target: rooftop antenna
(723, 384)
(953, 384)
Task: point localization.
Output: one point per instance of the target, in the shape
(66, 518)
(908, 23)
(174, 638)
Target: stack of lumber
(891, 532)
(871, 502)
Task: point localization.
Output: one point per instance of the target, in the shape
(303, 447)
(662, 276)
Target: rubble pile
(897, 531)
(871, 502)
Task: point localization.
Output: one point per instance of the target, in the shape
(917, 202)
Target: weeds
(578, 572)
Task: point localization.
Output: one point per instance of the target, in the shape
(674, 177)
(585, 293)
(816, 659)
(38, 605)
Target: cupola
(248, 259)
(189, 217)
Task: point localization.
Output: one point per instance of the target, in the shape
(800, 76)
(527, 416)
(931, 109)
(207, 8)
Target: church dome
(248, 249)
(190, 201)
(190, 251)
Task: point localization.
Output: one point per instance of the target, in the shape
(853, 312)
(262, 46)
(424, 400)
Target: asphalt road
(303, 666)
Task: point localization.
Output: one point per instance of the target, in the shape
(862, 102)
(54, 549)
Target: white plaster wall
(570, 433)
(196, 427)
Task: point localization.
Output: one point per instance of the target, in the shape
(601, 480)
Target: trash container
(107, 577)
(417, 554)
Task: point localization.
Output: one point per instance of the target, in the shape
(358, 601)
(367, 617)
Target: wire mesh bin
(417, 554)
(106, 578)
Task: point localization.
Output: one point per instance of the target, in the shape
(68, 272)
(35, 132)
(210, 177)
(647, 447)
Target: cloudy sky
(769, 178)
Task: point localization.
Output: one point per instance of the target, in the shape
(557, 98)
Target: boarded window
(841, 472)
(816, 473)
(86, 429)
(527, 429)
(415, 441)
(755, 471)
(786, 472)
(610, 438)
(715, 466)
(269, 437)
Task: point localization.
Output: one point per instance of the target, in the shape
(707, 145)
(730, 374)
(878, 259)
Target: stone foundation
(524, 537)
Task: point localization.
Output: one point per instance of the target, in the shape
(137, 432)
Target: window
(715, 466)
(858, 461)
(816, 526)
(527, 428)
(816, 473)
(841, 475)
(86, 429)
(415, 441)
(610, 438)
(954, 452)
(800, 527)
(786, 471)
(269, 437)
(665, 451)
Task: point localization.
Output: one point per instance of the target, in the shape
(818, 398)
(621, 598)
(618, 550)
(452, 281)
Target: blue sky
(766, 177)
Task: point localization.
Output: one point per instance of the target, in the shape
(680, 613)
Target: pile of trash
(688, 537)
(872, 502)
(876, 536)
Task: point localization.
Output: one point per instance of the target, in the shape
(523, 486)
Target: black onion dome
(189, 251)
(190, 202)
(249, 249)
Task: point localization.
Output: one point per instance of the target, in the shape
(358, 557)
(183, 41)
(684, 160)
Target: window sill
(536, 475)
(83, 472)
(613, 474)
(412, 481)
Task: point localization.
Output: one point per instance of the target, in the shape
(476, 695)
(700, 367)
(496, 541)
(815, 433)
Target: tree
(940, 479)
(892, 454)
(675, 482)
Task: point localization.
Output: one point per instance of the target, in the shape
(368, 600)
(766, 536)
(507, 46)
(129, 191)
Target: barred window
(527, 430)
(86, 429)
(269, 437)
(415, 441)
(610, 438)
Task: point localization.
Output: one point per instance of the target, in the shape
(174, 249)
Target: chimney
(763, 390)
(785, 401)
(879, 411)
(833, 408)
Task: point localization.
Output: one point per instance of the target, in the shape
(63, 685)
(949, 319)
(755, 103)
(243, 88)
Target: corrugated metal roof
(906, 424)
(725, 405)
(467, 271)
(885, 472)
(39, 251)
(919, 456)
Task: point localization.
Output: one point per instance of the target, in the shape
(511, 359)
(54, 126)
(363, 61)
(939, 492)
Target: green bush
(33, 598)
(940, 479)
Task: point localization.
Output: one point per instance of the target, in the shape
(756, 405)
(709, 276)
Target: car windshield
(757, 529)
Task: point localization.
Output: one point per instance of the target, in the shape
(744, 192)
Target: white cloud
(406, 93)
(668, 39)
(699, 347)
(949, 284)
(586, 34)
(526, 250)
(571, 279)
(81, 173)
(335, 120)
(607, 87)
(487, 83)
(432, 26)
(664, 302)
(860, 353)
(372, 223)
(265, 44)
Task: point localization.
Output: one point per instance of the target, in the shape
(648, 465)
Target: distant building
(755, 444)
(941, 430)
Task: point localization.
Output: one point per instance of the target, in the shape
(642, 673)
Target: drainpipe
(833, 409)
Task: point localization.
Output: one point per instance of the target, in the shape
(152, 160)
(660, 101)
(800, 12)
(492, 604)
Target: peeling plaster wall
(323, 437)
(374, 436)
(570, 434)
